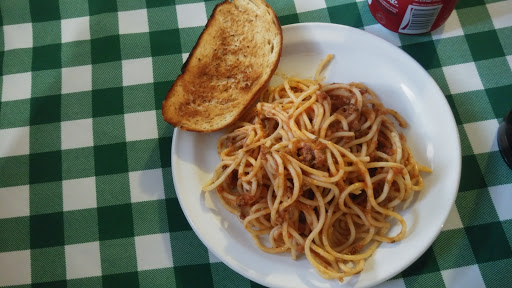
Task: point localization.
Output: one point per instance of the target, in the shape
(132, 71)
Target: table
(86, 191)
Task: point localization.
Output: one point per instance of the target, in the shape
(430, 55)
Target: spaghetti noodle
(320, 170)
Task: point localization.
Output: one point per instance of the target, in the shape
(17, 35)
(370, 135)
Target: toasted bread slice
(230, 65)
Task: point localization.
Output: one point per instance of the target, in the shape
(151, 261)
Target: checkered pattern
(86, 193)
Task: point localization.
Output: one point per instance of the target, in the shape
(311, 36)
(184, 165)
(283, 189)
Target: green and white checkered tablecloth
(86, 192)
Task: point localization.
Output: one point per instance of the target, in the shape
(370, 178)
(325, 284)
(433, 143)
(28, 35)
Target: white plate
(402, 84)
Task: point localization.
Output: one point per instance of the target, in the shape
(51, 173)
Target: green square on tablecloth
(505, 35)
(496, 273)
(46, 33)
(102, 6)
(165, 151)
(345, 14)
(76, 53)
(81, 226)
(123, 5)
(110, 158)
(46, 230)
(77, 163)
(135, 45)
(283, 7)
(438, 76)
(109, 130)
(15, 12)
(452, 51)
(53, 284)
(507, 227)
(84, 282)
(411, 39)
(15, 234)
(186, 276)
(143, 155)
(149, 217)
(107, 102)
(484, 45)
(45, 167)
(109, 224)
(188, 38)
(118, 256)
(167, 68)
(476, 207)
(176, 218)
(14, 171)
(434, 279)
(138, 98)
(17, 61)
(469, 3)
(127, 280)
(158, 3)
(48, 264)
(452, 249)
(165, 42)
(162, 18)
(42, 11)
(494, 72)
(471, 175)
(210, 5)
(10, 115)
(454, 109)
(500, 98)
(475, 19)
(160, 92)
(44, 110)
(366, 15)
(288, 19)
(107, 75)
(45, 138)
(113, 189)
(494, 169)
(46, 198)
(73, 9)
(223, 276)
(46, 82)
(168, 183)
(76, 106)
(104, 25)
(465, 145)
(473, 106)
(106, 49)
(46, 57)
(164, 277)
(188, 250)
(489, 242)
(427, 263)
(320, 15)
(424, 53)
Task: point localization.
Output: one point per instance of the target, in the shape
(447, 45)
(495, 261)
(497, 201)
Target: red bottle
(411, 16)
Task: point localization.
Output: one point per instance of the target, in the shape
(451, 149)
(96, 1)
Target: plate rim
(230, 262)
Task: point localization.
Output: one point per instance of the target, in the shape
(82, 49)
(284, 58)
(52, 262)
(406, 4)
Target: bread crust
(224, 73)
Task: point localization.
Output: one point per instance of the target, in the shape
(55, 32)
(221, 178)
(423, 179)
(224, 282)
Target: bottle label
(419, 19)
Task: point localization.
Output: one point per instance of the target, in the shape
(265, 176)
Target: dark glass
(505, 139)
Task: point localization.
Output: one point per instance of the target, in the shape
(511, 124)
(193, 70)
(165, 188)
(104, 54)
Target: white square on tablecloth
(15, 268)
(450, 28)
(308, 5)
(14, 141)
(502, 198)
(380, 31)
(18, 36)
(153, 251)
(137, 71)
(453, 220)
(212, 257)
(462, 78)
(76, 133)
(463, 277)
(396, 283)
(482, 135)
(501, 13)
(75, 29)
(191, 15)
(146, 185)
(79, 193)
(83, 260)
(509, 60)
(184, 56)
(77, 79)
(140, 125)
(135, 21)
(14, 201)
(16, 86)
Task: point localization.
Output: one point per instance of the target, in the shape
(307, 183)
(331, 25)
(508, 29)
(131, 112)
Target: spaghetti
(320, 170)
